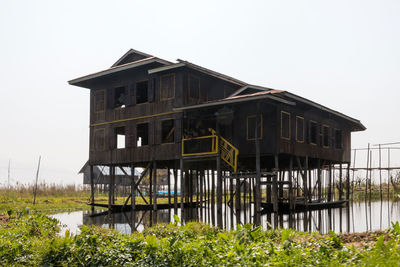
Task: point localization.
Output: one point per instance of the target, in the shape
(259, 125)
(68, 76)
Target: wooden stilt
(91, 184)
(213, 197)
(182, 182)
(330, 182)
(275, 184)
(155, 185)
(169, 185)
(340, 182)
(219, 192)
(133, 189)
(291, 195)
(257, 195)
(348, 183)
(175, 189)
(319, 181)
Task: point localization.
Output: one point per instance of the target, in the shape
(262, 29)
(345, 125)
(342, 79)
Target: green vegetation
(50, 199)
(33, 240)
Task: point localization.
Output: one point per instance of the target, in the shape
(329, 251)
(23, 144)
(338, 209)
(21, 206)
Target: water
(358, 217)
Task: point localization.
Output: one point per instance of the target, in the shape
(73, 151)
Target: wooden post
(257, 215)
(291, 195)
(388, 175)
(366, 175)
(340, 182)
(175, 189)
(348, 183)
(182, 182)
(169, 186)
(380, 173)
(219, 192)
(151, 186)
(91, 173)
(319, 182)
(306, 191)
(330, 182)
(133, 189)
(275, 184)
(110, 188)
(155, 185)
(238, 195)
(201, 186)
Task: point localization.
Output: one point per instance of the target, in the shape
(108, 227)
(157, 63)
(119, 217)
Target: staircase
(212, 145)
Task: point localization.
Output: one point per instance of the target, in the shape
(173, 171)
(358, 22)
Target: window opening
(142, 92)
(313, 132)
(338, 139)
(251, 127)
(285, 125)
(167, 129)
(142, 134)
(325, 136)
(120, 136)
(119, 97)
(299, 129)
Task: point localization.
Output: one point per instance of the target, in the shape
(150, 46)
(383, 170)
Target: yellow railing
(228, 152)
(213, 148)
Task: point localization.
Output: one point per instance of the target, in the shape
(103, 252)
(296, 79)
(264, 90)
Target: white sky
(342, 54)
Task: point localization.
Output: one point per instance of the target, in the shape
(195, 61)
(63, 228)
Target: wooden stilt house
(214, 132)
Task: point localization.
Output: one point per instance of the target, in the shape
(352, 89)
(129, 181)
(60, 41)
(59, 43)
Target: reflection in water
(359, 217)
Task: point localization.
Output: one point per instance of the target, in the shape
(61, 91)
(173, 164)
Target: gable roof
(118, 68)
(184, 63)
(131, 56)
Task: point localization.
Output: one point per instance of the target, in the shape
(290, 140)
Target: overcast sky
(342, 54)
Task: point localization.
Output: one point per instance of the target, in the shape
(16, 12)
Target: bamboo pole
(36, 181)
(380, 173)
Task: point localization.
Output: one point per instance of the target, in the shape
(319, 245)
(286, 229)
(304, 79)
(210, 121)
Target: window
(142, 138)
(142, 92)
(313, 132)
(167, 129)
(99, 139)
(167, 86)
(119, 97)
(194, 87)
(338, 139)
(251, 127)
(299, 129)
(325, 136)
(99, 103)
(120, 137)
(285, 125)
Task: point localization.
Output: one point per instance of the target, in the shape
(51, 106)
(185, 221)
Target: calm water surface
(358, 217)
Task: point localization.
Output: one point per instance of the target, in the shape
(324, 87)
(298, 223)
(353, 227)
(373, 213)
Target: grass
(33, 240)
(50, 199)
